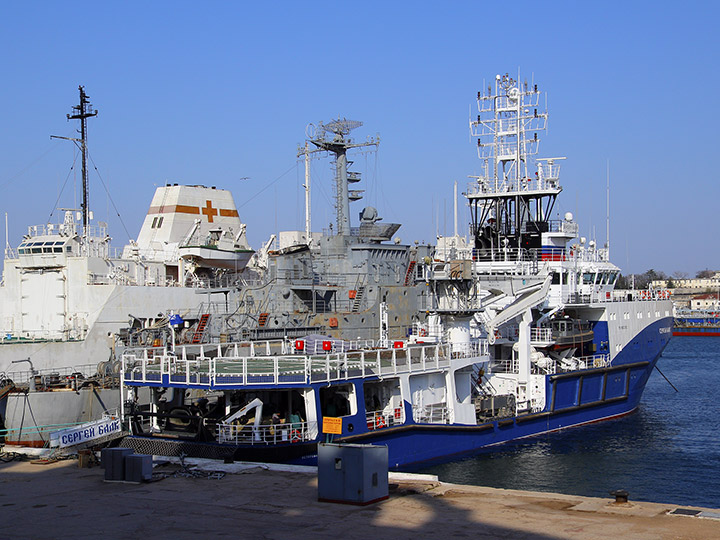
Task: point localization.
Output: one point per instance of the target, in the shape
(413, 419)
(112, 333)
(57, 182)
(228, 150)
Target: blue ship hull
(575, 398)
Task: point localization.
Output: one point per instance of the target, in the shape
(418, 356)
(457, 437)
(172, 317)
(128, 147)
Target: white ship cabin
(49, 245)
(192, 226)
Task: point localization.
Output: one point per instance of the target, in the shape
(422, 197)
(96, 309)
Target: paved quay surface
(60, 500)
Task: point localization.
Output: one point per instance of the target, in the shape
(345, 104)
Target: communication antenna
(607, 217)
(8, 249)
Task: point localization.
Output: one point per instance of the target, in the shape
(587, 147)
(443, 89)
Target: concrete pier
(60, 500)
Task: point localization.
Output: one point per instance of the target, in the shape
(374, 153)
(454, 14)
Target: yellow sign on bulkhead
(331, 425)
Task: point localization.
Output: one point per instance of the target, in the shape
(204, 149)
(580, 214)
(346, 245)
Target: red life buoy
(380, 422)
(295, 436)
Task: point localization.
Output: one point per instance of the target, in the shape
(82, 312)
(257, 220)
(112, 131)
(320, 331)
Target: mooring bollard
(621, 495)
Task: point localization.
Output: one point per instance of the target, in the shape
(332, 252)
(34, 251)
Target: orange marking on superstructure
(170, 209)
(209, 211)
(182, 209)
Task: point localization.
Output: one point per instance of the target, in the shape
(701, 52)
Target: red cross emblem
(209, 211)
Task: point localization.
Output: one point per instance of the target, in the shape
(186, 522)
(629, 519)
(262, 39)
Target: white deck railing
(232, 369)
(382, 419)
(437, 413)
(294, 432)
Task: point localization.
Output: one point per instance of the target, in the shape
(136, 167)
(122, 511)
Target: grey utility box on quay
(113, 461)
(352, 473)
(138, 468)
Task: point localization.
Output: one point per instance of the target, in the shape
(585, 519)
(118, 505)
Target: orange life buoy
(380, 422)
(295, 436)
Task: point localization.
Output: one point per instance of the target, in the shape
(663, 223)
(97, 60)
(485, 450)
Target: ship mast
(339, 145)
(511, 205)
(82, 112)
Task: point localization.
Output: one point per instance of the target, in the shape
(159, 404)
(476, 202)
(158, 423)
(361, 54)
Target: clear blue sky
(212, 92)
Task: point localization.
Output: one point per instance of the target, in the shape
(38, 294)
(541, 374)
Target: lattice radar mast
(332, 137)
(510, 203)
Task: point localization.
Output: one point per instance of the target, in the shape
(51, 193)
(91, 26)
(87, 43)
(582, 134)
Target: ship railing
(132, 252)
(618, 295)
(453, 253)
(595, 361)
(232, 369)
(275, 347)
(436, 413)
(563, 226)
(497, 255)
(52, 375)
(583, 362)
(382, 419)
(541, 335)
(93, 232)
(587, 254)
(506, 366)
(488, 186)
(554, 366)
(266, 434)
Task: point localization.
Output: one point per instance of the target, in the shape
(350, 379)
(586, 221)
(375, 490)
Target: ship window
(338, 400)
(588, 278)
(68, 249)
(159, 223)
(556, 278)
(154, 222)
(47, 250)
(37, 250)
(57, 250)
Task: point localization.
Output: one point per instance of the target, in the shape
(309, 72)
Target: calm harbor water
(668, 451)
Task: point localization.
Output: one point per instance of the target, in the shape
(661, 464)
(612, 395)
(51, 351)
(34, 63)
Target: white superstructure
(65, 291)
